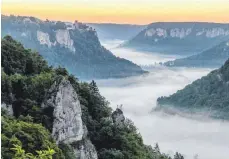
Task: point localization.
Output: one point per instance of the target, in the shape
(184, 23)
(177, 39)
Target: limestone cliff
(74, 46)
(182, 38)
(68, 126)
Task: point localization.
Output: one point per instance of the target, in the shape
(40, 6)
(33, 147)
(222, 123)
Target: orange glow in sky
(121, 11)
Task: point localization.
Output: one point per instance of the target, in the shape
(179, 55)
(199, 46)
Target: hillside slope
(50, 111)
(180, 38)
(213, 58)
(71, 45)
(208, 96)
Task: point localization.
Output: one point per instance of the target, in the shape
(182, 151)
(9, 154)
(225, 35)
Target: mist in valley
(137, 57)
(195, 138)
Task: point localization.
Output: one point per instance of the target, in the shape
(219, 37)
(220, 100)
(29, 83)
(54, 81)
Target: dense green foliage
(29, 63)
(208, 95)
(88, 60)
(213, 57)
(21, 154)
(30, 125)
(30, 136)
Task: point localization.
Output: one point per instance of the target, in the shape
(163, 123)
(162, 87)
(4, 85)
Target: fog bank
(137, 57)
(209, 138)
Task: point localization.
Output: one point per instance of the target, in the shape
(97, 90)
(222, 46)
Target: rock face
(184, 32)
(85, 150)
(68, 126)
(63, 38)
(118, 117)
(183, 38)
(43, 38)
(74, 46)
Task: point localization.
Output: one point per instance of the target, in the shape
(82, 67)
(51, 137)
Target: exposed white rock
(199, 33)
(180, 33)
(7, 108)
(27, 20)
(183, 32)
(44, 39)
(150, 32)
(63, 38)
(161, 32)
(158, 31)
(23, 34)
(85, 151)
(188, 31)
(220, 77)
(211, 33)
(118, 117)
(68, 125)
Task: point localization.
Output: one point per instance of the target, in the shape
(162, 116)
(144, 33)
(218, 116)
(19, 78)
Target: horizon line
(114, 23)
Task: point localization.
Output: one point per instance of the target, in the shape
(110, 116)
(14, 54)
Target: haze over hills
(213, 58)
(109, 31)
(208, 96)
(72, 45)
(180, 38)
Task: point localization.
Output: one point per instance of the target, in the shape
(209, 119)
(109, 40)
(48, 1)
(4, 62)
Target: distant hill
(208, 95)
(109, 31)
(213, 58)
(182, 38)
(71, 45)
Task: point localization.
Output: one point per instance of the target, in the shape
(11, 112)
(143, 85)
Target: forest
(26, 129)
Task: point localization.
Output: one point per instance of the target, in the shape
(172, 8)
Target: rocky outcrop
(7, 108)
(70, 45)
(85, 150)
(118, 117)
(44, 39)
(68, 126)
(63, 38)
(179, 38)
(183, 32)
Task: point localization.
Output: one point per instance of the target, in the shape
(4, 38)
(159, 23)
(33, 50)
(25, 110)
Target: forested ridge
(74, 46)
(26, 130)
(208, 95)
(213, 57)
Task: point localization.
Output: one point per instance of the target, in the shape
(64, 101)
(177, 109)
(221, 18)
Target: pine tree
(93, 87)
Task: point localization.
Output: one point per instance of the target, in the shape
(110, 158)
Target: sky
(121, 11)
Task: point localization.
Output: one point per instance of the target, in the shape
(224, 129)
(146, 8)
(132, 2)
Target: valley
(191, 136)
(138, 81)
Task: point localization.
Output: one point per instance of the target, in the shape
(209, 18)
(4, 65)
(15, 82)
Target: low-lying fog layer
(207, 138)
(137, 57)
